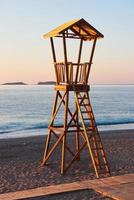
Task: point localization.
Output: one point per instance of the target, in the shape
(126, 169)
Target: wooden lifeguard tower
(73, 77)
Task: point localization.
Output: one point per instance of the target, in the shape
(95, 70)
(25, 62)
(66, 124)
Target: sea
(25, 109)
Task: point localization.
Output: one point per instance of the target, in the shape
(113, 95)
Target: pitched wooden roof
(79, 28)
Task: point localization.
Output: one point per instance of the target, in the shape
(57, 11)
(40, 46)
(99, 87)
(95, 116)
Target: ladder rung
(71, 131)
(82, 97)
(87, 129)
(97, 149)
(85, 104)
(104, 164)
(97, 141)
(103, 171)
(101, 165)
(72, 126)
(86, 119)
(85, 111)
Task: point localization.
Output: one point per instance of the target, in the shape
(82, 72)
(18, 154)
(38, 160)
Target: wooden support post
(65, 55)
(54, 57)
(53, 50)
(79, 57)
(49, 133)
(77, 132)
(65, 133)
(46, 147)
(91, 58)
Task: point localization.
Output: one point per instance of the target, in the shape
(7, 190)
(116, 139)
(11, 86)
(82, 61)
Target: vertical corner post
(53, 50)
(65, 55)
(91, 58)
(65, 133)
(54, 58)
(79, 58)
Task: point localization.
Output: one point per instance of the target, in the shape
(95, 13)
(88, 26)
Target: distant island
(22, 83)
(14, 83)
(46, 83)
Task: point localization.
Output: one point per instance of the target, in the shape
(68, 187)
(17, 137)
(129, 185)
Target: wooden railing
(73, 73)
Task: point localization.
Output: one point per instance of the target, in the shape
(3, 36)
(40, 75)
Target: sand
(20, 160)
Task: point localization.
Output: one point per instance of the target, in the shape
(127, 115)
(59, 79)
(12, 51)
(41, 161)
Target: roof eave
(54, 32)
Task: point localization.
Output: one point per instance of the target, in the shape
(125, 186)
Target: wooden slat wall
(77, 73)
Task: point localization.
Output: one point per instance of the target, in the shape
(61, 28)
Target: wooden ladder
(89, 131)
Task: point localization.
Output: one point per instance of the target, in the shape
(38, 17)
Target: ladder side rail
(94, 126)
(86, 137)
(100, 141)
(93, 137)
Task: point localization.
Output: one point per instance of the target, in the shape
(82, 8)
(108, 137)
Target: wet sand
(20, 160)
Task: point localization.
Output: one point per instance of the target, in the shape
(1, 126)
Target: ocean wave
(24, 129)
(45, 126)
(119, 122)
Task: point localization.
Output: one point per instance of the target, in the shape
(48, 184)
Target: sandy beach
(20, 160)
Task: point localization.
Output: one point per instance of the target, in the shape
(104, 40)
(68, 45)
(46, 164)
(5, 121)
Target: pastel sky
(25, 56)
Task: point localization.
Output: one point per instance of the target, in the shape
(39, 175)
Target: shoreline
(114, 131)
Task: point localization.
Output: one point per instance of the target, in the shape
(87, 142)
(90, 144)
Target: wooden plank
(111, 187)
(72, 87)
